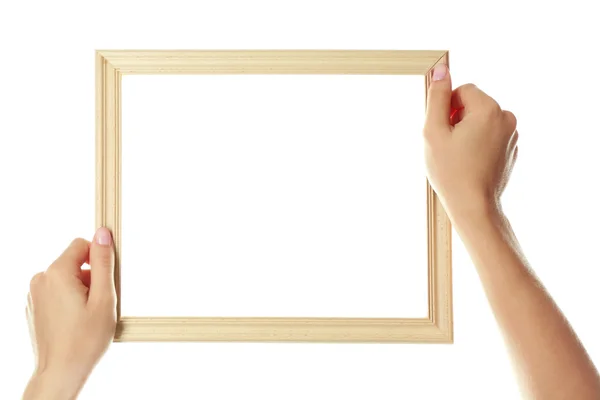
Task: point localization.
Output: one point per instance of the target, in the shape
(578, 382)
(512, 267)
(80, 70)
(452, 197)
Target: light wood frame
(112, 65)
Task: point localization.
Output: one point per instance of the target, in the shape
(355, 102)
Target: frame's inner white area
(273, 196)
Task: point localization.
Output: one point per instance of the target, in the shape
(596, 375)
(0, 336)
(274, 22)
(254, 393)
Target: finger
(102, 263)
(34, 287)
(73, 257)
(511, 120)
(438, 101)
(469, 97)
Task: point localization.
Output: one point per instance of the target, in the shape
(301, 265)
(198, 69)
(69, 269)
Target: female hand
(72, 317)
(470, 158)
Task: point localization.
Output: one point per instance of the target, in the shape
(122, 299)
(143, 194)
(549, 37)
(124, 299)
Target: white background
(297, 196)
(538, 60)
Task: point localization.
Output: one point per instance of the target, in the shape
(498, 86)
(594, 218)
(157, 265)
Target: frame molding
(111, 65)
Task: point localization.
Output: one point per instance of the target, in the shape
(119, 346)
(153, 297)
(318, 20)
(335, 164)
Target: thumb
(438, 101)
(102, 265)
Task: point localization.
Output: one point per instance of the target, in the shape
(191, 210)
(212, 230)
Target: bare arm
(469, 163)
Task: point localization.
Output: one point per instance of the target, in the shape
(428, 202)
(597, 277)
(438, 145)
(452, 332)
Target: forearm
(550, 361)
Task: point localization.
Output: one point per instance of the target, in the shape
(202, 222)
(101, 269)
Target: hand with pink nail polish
(72, 317)
(469, 159)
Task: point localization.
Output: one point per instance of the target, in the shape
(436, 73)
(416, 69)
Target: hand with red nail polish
(72, 317)
(471, 145)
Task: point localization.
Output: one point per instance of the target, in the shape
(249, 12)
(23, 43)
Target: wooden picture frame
(112, 65)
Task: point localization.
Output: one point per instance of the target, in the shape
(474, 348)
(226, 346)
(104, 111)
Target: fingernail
(103, 237)
(439, 72)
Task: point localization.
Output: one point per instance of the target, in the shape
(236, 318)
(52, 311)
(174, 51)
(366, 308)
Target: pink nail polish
(103, 237)
(439, 72)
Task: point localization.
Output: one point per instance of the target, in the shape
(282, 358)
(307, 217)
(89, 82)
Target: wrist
(52, 385)
(476, 212)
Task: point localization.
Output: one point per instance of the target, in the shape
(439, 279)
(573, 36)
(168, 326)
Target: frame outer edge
(438, 328)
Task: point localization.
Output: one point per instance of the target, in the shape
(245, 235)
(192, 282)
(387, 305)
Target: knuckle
(491, 110)
(468, 87)
(35, 280)
(52, 274)
(79, 243)
(494, 107)
(510, 119)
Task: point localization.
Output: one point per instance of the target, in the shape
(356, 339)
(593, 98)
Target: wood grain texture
(111, 65)
(358, 330)
(273, 62)
(108, 157)
(440, 249)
